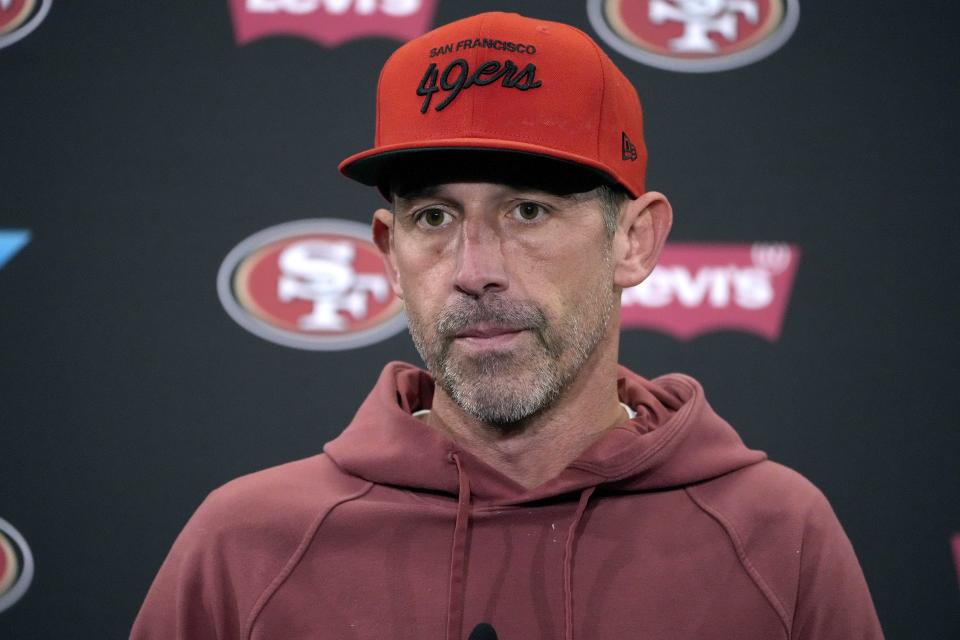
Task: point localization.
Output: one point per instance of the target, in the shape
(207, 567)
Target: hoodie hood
(676, 439)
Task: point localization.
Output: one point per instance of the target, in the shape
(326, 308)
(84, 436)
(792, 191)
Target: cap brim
(378, 166)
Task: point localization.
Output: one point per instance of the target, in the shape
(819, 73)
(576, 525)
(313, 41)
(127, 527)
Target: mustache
(511, 315)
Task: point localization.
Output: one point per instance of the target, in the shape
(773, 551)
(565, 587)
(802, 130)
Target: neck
(543, 445)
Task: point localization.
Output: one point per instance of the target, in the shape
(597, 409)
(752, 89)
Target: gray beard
(505, 389)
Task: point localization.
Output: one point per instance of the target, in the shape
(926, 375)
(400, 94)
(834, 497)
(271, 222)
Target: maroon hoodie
(666, 527)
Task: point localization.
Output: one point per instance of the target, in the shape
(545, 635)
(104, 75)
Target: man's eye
(529, 210)
(433, 217)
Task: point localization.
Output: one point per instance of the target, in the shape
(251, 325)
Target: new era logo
(629, 149)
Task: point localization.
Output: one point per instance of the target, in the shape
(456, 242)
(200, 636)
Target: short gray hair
(611, 199)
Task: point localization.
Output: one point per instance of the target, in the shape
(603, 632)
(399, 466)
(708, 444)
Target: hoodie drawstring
(458, 554)
(568, 563)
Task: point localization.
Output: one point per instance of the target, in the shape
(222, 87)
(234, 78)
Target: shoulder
(278, 500)
(311, 480)
(241, 540)
(767, 509)
(762, 493)
(782, 528)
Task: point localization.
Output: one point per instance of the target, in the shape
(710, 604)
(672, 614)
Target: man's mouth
(486, 331)
(483, 336)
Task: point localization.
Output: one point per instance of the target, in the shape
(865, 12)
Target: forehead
(485, 191)
(424, 174)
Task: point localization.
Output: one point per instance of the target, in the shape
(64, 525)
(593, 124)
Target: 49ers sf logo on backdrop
(697, 288)
(331, 22)
(695, 35)
(16, 565)
(311, 284)
(19, 17)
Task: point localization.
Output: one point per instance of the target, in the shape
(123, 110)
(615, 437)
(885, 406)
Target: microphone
(483, 631)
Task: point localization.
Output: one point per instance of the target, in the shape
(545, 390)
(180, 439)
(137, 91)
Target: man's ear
(641, 233)
(383, 237)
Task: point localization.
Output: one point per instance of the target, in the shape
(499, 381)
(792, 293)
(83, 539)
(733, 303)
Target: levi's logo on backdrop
(955, 543)
(331, 22)
(698, 288)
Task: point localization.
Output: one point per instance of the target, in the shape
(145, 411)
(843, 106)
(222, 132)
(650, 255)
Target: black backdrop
(140, 144)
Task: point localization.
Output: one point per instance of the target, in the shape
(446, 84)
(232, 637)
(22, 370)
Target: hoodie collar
(675, 439)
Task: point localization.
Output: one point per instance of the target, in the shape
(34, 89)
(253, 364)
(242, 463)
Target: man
(527, 487)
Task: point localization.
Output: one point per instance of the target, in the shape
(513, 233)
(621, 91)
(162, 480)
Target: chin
(501, 390)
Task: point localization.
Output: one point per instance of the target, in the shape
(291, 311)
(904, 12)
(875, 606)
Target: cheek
(412, 259)
(532, 258)
(565, 270)
(421, 275)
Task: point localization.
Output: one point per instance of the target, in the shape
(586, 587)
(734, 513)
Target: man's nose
(480, 260)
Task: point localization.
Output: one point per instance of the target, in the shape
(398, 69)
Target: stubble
(505, 388)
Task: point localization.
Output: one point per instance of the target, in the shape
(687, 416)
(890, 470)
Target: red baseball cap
(504, 82)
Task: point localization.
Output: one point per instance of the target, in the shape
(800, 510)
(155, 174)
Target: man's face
(508, 290)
